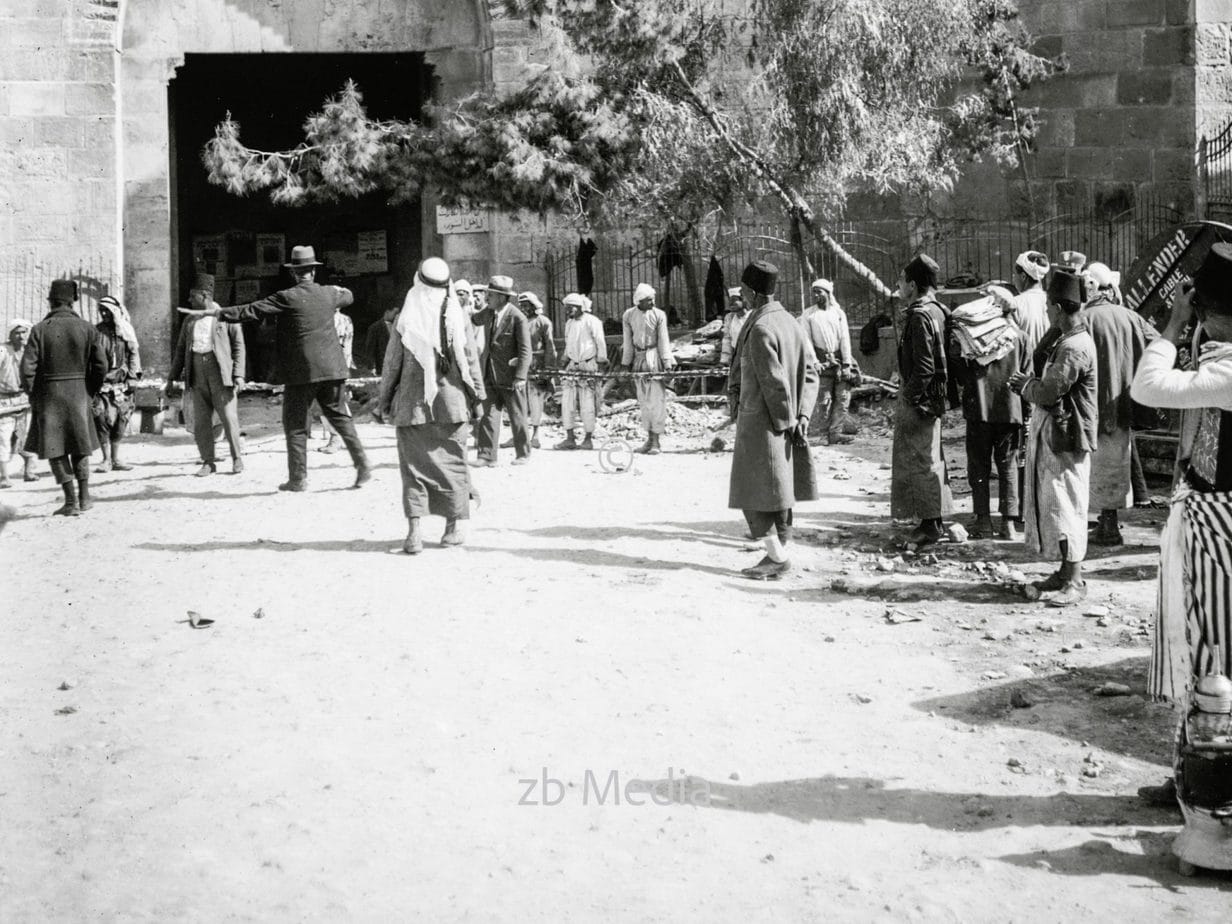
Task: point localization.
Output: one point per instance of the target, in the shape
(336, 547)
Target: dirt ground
(355, 735)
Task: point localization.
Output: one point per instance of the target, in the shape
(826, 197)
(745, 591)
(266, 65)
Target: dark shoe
(767, 570)
(534, 443)
(452, 537)
(1106, 536)
(121, 467)
(925, 535)
(70, 507)
(293, 486)
(1008, 531)
(1053, 582)
(567, 443)
(103, 467)
(1070, 594)
(508, 444)
(981, 528)
(651, 446)
(5, 483)
(482, 463)
(587, 443)
(206, 469)
(85, 502)
(363, 474)
(237, 466)
(1163, 796)
(520, 460)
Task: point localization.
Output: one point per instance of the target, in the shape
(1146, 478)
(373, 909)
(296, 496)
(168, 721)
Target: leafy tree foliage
(691, 106)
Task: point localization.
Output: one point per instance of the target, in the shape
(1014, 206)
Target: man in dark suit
(209, 356)
(62, 368)
(506, 365)
(310, 362)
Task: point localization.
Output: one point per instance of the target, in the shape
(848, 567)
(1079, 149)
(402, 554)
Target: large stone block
(1211, 43)
(40, 227)
(1089, 163)
(1212, 86)
(96, 163)
(1073, 196)
(1110, 200)
(1048, 46)
(1144, 88)
(1048, 163)
(1174, 167)
(4, 99)
(1056, 129)
(1076, 16)
(1093, 127)
(37, 99)
(16, 131)
(1106, 52)
(1132, 164)
(1168, 47)
(59, 131)
(90, 99)
(35, 64)
(1177, 11)
(92, 67)
(1133, 12)
(1212, 10)
(28, 161)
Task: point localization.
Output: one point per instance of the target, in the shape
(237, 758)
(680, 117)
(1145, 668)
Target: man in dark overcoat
(506, 365)
(62, 368)
(310, 362)
(773, 386)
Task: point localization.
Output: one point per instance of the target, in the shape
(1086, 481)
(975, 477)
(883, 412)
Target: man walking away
(647, 349)
(585, 349)
(310, 359)
(826, 329)
(210, 359)
(62, 368)
(773, 385)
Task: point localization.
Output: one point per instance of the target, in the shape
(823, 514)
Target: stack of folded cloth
(983, 333)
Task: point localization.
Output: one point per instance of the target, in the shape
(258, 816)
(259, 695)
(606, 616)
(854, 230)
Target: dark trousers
(211, 396)
(1137, 477)
(66, 468)
(296, 402)
(990, 444)
(513, 400)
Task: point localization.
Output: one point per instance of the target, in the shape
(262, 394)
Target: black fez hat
(761, 277)
(1214, 278)
(204, 283)
(923, 271)
(1067, 286)
(63, 290)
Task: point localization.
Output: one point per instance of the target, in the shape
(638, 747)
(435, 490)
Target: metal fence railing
(967, 248)
(1215, 173)
(25, 280)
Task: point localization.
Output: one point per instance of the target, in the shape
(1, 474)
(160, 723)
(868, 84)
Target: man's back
(306, 338)
(1120, 337)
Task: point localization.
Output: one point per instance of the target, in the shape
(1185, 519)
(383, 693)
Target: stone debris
(1021, 700)
(1112, 689)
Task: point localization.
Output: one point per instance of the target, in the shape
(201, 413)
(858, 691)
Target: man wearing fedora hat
(773, 386)
(310, 362)
(506, 364)
(62, 368)
(210, 357)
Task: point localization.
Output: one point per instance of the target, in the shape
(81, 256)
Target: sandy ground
(363, 749)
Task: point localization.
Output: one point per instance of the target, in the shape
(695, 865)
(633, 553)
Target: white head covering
(16, 323)
(1100, 276)
(419, 325)
(643, 291)
(735, 292)
(574, 300)
(531, 298)
(123, 325)
(462, 285)
(1033, 263)
(824, 284)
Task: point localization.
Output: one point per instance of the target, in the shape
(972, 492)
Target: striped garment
(1193, 628)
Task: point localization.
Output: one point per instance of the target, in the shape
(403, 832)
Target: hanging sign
(1165, 262)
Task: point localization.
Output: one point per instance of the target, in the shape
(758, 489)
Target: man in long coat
(430, 384)
(310, 361)
(773, 386)
(62, 368)
(1121, 337)
(505, 360)
(919, 483)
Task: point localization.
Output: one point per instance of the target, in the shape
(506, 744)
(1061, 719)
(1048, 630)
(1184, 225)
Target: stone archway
(154, 36)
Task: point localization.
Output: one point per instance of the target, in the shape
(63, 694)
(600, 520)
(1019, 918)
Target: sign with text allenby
(1166, 262)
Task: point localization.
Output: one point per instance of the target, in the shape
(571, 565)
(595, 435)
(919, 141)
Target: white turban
(531, 298)
(643, 291)
(1033, 263)
(577, 300)
(735, 292)
(824, 284)
(1102, 277)
(462, 286)
(16, 323)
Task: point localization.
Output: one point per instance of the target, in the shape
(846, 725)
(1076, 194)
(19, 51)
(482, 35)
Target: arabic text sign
(451, 220)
